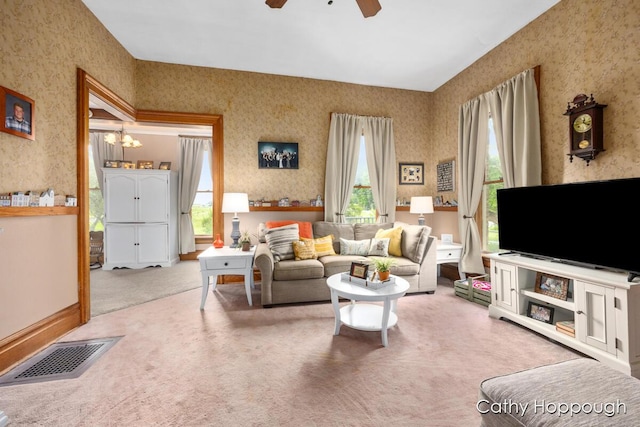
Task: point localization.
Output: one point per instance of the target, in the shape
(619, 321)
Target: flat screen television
(591, 224)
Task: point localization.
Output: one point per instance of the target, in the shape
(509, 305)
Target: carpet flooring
(235, 365)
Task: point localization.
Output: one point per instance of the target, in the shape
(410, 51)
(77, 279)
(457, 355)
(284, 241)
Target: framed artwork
(128, 165)
(446, 177)
(278, 155)
(539, 312)
(112, 163)
(144, 164)
(165, 166)
(19, 114)
(553, 286)
(359, 270)
(411, 173)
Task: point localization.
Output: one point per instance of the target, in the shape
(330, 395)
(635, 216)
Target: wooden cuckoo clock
(585, 128)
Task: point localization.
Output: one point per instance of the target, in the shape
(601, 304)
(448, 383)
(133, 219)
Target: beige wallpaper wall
(259, 107)
(582, 46)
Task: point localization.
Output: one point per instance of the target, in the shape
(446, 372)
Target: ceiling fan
(367, 7)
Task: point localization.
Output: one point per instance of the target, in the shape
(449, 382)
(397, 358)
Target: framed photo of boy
(18, 114)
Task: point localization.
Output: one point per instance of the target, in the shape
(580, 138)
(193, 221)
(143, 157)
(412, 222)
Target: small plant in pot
(383, 267)
(245, 241)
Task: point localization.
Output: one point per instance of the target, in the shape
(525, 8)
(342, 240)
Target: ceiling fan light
(369, 7)
(277, 4)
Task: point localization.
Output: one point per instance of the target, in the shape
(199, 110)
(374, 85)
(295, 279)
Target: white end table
(366, 317)
(449, 253)
(217, 262)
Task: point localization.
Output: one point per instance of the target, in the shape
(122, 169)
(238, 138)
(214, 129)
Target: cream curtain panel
(192, 151)
(102, 151)
(381, 162)
(345, 131)
(513, 107)
(516, 122)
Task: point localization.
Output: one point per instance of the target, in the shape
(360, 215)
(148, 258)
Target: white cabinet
(141, 218)
(604, 306)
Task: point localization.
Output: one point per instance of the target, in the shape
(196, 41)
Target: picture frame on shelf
(359, 270)
(112, 164)
(540, 312)
(165, 166)
(144, 164)
(411, 173)
(278, 155)
(553, 286)
(128, 165)
(19, 114)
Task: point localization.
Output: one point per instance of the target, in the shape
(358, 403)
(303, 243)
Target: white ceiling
(410, 44)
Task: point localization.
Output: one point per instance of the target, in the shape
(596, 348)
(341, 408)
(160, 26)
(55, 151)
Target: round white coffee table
(366, 317)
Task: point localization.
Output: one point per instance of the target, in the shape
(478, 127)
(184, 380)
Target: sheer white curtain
(381, 163)
(192, 151)
(342, 161)
(102, 151)
(516, 122)
(472, 149)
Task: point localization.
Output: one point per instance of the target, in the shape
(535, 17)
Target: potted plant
(245, 241)
(383, 266)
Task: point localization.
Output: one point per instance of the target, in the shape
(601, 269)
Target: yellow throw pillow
(395, 239)
(304, 250)
(324, 245)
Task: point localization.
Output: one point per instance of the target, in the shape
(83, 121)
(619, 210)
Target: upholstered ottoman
(579, 392)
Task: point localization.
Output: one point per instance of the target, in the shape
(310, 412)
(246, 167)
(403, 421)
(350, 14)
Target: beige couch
(291, 281)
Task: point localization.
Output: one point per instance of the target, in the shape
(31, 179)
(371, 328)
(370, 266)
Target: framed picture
(411, 173)
(539, 312)
(144, 164)
(165, 166)
(359, 270)
(19, 114)
(128, 165)
(112, 163)
(553, 286)
(278, 155)
(446, 177)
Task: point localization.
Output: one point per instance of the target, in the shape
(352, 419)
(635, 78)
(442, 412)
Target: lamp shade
(235, 202)
(421, 205)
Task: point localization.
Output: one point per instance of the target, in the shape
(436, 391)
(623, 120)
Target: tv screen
(593, 224)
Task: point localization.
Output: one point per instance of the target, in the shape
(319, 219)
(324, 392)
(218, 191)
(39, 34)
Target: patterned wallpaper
(582, 46)
(41, 45)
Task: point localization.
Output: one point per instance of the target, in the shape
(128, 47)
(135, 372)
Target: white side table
(366, 317)
(449, 252)
(217, 262)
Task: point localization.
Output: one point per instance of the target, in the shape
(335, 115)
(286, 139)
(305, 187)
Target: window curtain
(381, 162)
(102, 151)
(516, 122)
(342, 161)
(192, 151)
(472, 148)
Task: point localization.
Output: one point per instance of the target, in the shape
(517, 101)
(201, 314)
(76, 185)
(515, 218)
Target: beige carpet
(235, 365)
(120, 288)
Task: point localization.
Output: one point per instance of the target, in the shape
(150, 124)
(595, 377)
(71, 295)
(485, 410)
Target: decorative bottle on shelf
(218, 243)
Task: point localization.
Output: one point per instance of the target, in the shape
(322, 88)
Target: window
(361, 207)
(202, 208)
(96, 202)
(492, 182)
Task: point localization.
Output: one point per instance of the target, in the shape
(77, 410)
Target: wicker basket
(474, 289)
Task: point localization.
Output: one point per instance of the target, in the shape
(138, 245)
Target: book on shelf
(566, 326)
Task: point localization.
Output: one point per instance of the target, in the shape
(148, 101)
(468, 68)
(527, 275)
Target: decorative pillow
(304, 227)
(304, 250)
(280, 241)
(415, 239)
(354, 247)
(395, 239)
(324, 245)
(262, 229)
(379, 247)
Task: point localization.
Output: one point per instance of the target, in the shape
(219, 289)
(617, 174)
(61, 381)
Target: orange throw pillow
(304, 228)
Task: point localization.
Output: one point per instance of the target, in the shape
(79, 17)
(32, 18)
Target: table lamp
(421, 205)
(234, 203)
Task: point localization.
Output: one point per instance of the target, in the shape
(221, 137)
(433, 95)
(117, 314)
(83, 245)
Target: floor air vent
(59, 361)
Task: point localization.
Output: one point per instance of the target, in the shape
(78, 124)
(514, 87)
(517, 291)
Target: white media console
(604, 306)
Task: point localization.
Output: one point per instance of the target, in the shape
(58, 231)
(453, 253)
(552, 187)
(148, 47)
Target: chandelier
(122, 137)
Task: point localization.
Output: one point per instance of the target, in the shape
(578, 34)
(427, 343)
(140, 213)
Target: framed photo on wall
(411, 173)
(19, 114)
(278, 155)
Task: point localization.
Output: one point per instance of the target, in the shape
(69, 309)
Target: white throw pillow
(379, 247)
(354, 247)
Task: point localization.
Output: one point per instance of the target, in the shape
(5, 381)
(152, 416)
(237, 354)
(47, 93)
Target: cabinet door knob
(580, 312)
(226, 263)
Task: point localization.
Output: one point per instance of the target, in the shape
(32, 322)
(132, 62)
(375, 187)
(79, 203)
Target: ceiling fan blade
(275, 3)
(369, 7)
